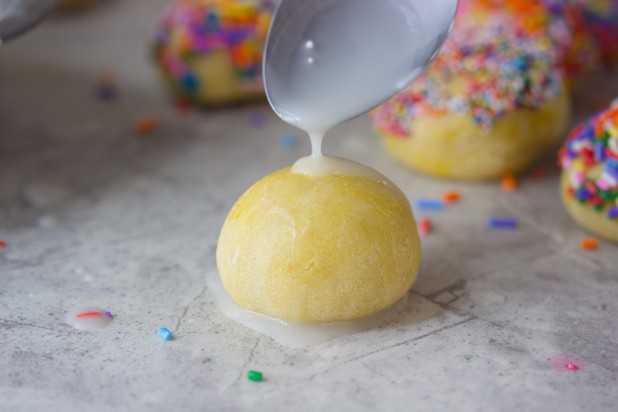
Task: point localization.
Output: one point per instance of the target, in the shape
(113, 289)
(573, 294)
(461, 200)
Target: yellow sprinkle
(612, 131)
(578, 165)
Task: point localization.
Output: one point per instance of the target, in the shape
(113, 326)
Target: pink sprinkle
(579, 178)
(566, 363)
(603, 184)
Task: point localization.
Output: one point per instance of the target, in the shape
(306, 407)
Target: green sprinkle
(605, 195)
(255, 376)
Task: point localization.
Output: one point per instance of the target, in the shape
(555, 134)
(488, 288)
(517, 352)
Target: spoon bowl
(327, 61)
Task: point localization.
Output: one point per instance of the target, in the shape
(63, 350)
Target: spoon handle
(18, 16)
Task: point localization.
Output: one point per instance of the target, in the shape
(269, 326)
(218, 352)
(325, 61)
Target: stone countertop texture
(94, 215)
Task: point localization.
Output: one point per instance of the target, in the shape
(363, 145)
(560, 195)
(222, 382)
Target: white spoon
(327, 61)
(17, 16)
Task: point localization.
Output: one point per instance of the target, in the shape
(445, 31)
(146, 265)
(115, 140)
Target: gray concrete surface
(93, 215)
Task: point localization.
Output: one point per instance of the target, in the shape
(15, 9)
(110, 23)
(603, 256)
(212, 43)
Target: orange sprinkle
(589, 244)
(451, 197)
(146, 124)
(509, 183)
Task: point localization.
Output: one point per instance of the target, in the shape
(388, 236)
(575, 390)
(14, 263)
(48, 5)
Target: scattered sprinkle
(509, 183)
(429, 205)
(107, 92)
(539, 172)
(2, 244)
(255, 376)
(288, 140)
(146, 124)
(106, 89)
(182, 107)
(257, 120)
(425, 226)
(88, 315)
(589, 244)
(109, 314)
(566, 363)
(165, 334)
(88, 318)
(451, 197)
(502, 223)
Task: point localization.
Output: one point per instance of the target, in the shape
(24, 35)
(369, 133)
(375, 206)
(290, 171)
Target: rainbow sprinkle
(593, 27)
(590, 149)
(165, 334)
(502, 223)
(425, 226)
(89, 315)
(255, 376)
(483, 74)
(518, 60)
(429, 205)
(191, 29)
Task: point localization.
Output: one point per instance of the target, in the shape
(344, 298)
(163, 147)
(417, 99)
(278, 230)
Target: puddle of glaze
(297, 335)
(88, 318)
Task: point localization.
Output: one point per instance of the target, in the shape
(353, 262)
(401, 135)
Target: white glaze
(326, 165)
(297, 335)
(320, 165)
(88, 323)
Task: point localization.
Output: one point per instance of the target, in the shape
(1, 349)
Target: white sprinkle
(309, 45)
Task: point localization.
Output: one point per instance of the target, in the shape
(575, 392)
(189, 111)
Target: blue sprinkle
(257, 120)
(599, 152)
(165, 334)
(212, 23)
(613, 212)
(106, 92)
(502, 223)
(611, 168)
(583, 194)
(429, 205)
(587, 133)
(518, 63)
(108, 314)
(288, 140)
(190, 82)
